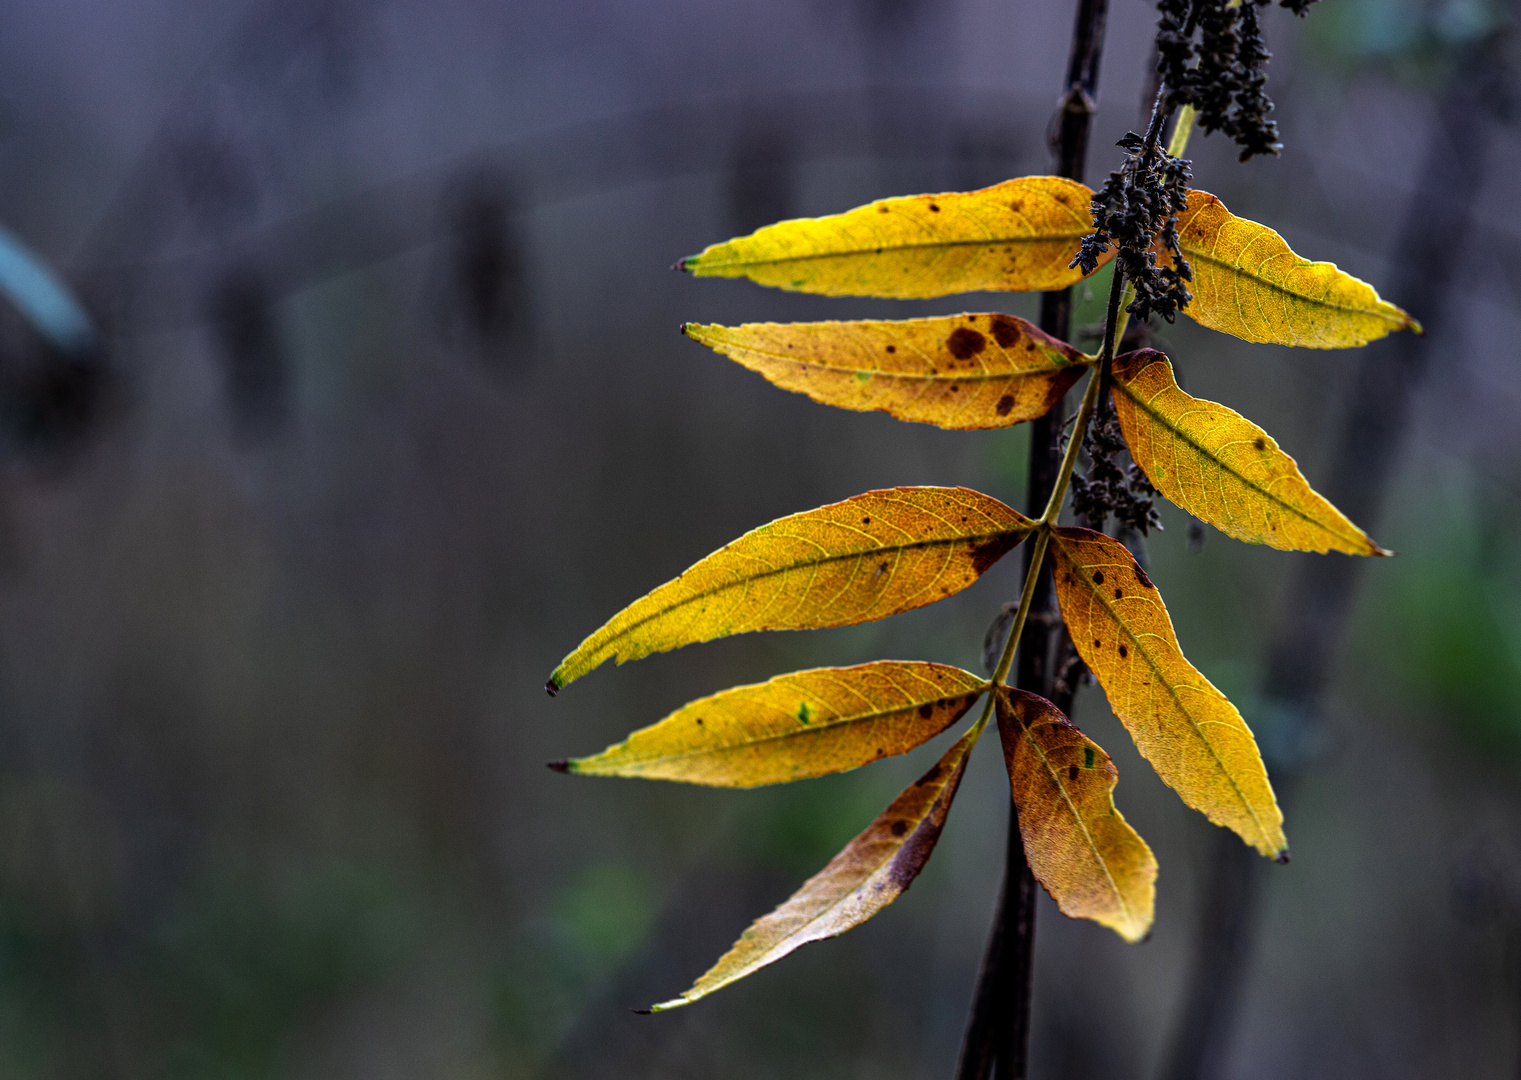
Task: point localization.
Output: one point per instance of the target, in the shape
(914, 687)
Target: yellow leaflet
(1016, 236)
(866, 558)
(960, 371)
(1221, 467)
(796, 726)
(1192, 735)
(1094, 865)
(1247, 282)
(871, 872)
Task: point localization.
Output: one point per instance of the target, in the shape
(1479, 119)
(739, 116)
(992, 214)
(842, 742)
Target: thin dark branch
(998, 1030)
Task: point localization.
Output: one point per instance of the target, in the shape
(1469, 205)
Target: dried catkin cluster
(1211, 56)
(1110, 488)
(1136, 208)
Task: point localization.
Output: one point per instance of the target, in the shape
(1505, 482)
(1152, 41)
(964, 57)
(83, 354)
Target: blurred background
(381, 407)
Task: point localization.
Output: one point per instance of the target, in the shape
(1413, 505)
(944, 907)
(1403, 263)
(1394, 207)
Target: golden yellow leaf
(1192, 735)
(1247, 282)
(958, 371)
(871, 872)
(1016, 236)
(1221, 467)
(1094, 865)
(850, 562)
(796, 726)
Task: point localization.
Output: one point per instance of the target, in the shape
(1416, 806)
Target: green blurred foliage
(1415, 40)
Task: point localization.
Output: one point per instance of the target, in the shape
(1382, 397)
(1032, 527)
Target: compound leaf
(1221, 467)
(1094, 865)
(1247, 282)
(959, 371)
(871, 872)
(796, 726)
(1016, 236)
(850, 562)
(1192, 735)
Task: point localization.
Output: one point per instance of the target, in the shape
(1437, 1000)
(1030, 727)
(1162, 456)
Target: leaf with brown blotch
(1017, 236)
(1094, 865)
(1247, 282)
(1192, 735)
(1221, 467)
(871, 872)
(850, 562)
(958, 371)
(796, 726)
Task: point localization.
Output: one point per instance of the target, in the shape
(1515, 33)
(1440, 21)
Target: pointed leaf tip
(641, 1012)
(558, 766)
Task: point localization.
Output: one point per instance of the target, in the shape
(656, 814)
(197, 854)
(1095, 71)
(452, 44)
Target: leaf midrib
(813, 728)
(1078, 817)
(1053, 368)
(700, 263)
(615, 635)
(1379, 312)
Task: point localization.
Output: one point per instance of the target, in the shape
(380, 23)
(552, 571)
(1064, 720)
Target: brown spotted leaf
(1249, 283)
(850, 562)
(1017, 236)
(958, 371)
(1094, 865)
(795, 726)
(871, 872)
(1192, 735)
(1221, 467)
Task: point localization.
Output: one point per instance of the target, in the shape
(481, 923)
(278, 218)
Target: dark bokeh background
(391, 410)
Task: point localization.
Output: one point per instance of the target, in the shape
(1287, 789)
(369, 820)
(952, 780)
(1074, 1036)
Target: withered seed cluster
(1137, 206)
(1211, 56)
(1108, 488)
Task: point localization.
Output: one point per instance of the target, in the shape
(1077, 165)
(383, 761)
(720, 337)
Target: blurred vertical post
(997, 1039)
(1429, 245)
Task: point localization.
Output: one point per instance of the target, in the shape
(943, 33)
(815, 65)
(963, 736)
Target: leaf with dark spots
(1189, 731)
(871, 872)
(1221, 467)
(1079, 846)
(748, 736)
(942, 371)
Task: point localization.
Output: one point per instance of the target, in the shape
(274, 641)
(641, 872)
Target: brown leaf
(871, 872)
(1094, 865)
